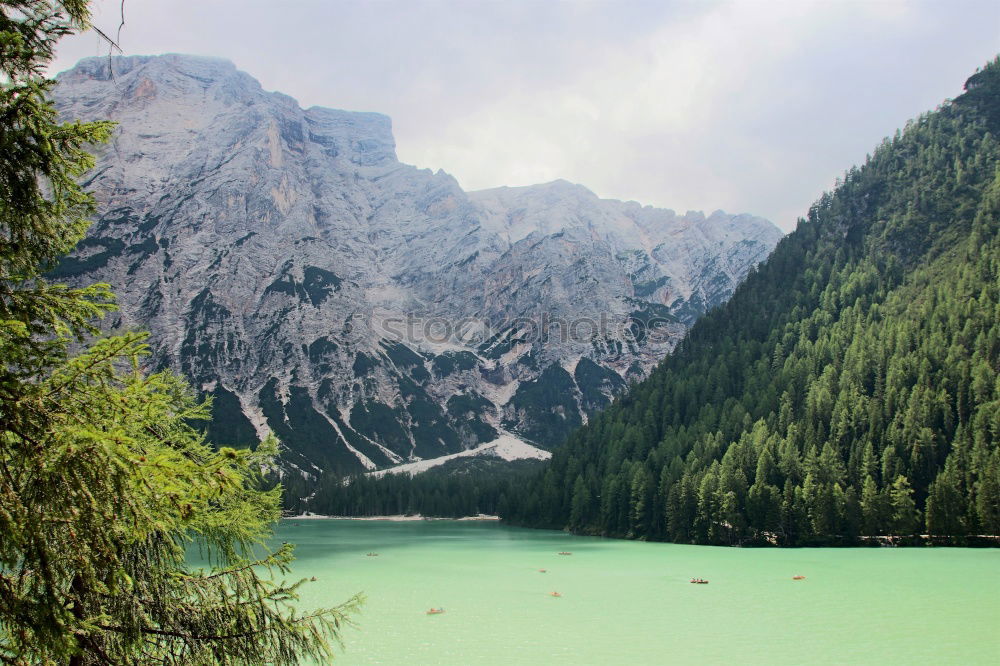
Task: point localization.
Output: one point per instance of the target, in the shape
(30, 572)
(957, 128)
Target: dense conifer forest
(849, 388)
(455, 489)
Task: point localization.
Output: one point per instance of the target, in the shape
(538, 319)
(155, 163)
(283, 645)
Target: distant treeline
(456, 489)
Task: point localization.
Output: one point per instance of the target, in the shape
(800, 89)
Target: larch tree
(104, 484)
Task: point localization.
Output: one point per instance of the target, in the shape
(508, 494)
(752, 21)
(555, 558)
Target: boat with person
(435, 611)
(699, 581)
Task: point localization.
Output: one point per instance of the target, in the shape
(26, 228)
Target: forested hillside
(850, 386)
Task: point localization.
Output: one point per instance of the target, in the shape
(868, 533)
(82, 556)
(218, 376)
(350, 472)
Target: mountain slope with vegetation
(850, 386)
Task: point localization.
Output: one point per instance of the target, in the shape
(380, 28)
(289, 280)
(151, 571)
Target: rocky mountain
(368, 312)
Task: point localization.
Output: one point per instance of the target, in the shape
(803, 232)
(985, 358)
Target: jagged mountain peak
(168, 86)
(203, 68)
(367, 311)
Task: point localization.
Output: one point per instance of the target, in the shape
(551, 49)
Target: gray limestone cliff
(368, 312)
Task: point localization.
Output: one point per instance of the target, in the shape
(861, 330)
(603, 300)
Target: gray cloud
(747, 106)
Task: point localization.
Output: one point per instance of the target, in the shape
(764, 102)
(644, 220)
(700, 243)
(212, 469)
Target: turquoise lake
(625, 602)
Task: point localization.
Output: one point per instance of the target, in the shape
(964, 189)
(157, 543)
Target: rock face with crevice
(369, 312)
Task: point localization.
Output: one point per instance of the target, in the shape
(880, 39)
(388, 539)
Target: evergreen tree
(580, 511)
(904, 509)
(104, 484)
(873, 513)
(946, 505)
(988, 496)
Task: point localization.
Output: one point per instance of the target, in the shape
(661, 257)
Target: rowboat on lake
(699, 581)
(435, 611)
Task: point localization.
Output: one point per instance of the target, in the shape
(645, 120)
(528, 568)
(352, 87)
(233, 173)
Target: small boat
(372, 554)
(565, 553)
(699, 581)
(313, 579)
(798, 577)
(541, 571)
(556, 594)
(435, 611)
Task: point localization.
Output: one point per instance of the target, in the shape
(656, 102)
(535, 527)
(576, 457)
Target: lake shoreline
(881, 541)
(395, 519)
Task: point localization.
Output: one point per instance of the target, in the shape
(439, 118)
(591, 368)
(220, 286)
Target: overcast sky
(748, 106)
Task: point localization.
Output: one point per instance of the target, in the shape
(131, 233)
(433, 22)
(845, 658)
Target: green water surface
(627, 602)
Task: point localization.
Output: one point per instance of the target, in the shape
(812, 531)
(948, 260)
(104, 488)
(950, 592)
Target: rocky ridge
(368, 312)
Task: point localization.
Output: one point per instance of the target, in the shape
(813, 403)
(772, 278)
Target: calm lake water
(632, 603)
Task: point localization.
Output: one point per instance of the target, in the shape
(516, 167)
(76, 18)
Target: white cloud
(749, 106)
